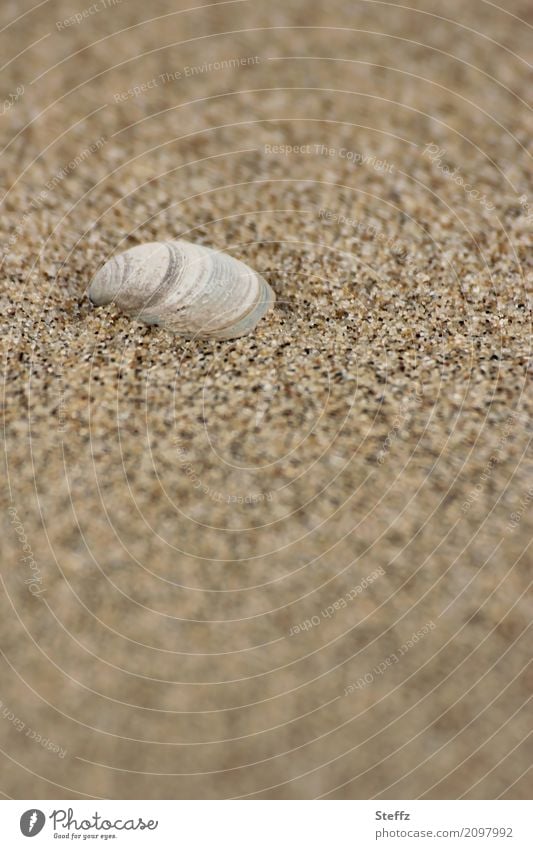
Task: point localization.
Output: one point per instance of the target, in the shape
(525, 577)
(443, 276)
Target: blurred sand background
(184, 507)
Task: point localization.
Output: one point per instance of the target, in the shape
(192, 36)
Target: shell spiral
(189, 289)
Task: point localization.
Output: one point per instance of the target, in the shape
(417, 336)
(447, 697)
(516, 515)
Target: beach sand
(295, 564)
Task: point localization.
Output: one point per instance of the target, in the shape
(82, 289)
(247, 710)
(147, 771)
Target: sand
(295, 564)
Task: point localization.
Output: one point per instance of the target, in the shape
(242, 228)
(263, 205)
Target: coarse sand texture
(294, 564)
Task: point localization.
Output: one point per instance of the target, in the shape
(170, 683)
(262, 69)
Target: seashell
(186, 288)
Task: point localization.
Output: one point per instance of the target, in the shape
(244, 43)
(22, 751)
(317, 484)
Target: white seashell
(189, 289)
